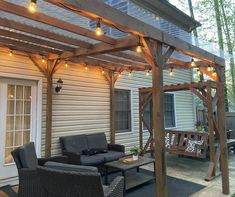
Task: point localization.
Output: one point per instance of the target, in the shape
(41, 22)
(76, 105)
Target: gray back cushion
(75, 143)
(28, 156)
(69, 167)
(97, 140)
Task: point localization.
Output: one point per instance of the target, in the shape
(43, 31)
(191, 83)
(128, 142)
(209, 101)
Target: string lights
(43, 59)
(147, 73)
(193, 64)
(98, 28)
(209, 68)
(171, 73)
(139, 47)
(32, 6)
(10, 53)
(66, 64)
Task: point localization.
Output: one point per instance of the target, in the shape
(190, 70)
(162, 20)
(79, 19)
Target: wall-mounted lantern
(59, 85)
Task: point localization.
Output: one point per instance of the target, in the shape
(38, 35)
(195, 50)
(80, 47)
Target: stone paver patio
(194, 170)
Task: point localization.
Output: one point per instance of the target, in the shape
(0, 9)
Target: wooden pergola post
(222, 131)
(48, 138)
(48, 69)
(211, 129)
(154, 56)
(112, 78)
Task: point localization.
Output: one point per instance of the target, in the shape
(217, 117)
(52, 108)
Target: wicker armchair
(63, 183)
(26, 162)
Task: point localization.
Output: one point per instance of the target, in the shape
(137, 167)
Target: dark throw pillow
(89, 152)
(101, 150)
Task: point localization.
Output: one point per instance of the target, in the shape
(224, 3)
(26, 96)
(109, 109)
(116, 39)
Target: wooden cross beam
(41, 49)
(38, 41)
(43, 33)
(121, 44)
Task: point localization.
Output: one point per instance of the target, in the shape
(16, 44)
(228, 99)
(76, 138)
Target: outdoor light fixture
(139, 48)
(147, 73)
(43, 59)
(193, 63)
(32, 6)
(130, 73)
(209, 68)
(119, 74)
(10, 53)
(102, 72)
(59, 85)
(86, 67)
(98, 28)
(66, 64)
(171, 72)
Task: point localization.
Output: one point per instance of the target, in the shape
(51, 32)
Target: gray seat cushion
(111, 155)
(91, 160)
(75, 143)
(28, 156)
(97, 141)
(69, 167)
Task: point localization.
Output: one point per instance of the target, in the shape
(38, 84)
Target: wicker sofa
(90, 150)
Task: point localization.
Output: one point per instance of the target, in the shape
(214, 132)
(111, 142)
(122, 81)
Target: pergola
(114, 55)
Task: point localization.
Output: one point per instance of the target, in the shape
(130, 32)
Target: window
(169, 111)
(123, 110)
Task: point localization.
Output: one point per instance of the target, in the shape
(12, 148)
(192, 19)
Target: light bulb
(139, 49)
(119, 74)
(66, 64)
(130, 74)
(102, 72)
(86, 68)
(98, 29)
(171, 73)
(209, 68)
(43, 60)
(32, 6)
(193, 63)
(147, 73)
(11, 53)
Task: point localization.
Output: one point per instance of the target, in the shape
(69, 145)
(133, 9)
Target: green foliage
(135, 150)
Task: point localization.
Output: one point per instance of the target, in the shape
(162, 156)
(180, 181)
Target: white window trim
(132, 111)
(38, 138)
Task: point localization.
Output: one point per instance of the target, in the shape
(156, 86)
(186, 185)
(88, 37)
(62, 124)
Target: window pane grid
(122, 111)
(18, 118)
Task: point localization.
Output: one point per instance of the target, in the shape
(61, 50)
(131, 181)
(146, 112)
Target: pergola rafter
(115, 55)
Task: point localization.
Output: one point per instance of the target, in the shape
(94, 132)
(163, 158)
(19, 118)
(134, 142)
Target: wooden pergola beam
(95, 9)
(43, 33)
(41, 49)
(35, 40)
(100, 48)
(40, 17)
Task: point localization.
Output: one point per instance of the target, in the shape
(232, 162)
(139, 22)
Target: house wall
(83, 104)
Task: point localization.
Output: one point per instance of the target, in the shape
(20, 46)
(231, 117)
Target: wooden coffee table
(131, 179)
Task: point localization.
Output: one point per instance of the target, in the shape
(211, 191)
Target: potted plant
(135, 151)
